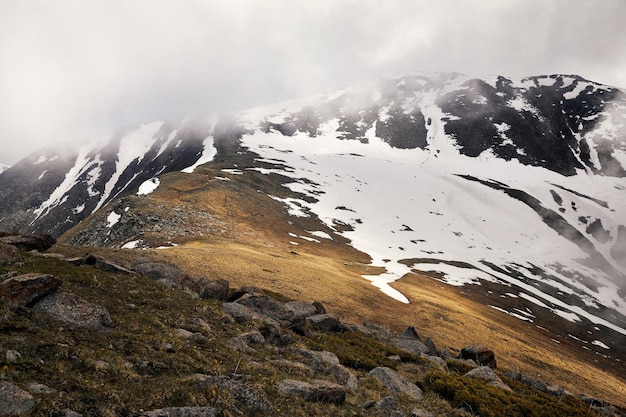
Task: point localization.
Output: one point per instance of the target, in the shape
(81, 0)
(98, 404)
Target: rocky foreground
(87, 336)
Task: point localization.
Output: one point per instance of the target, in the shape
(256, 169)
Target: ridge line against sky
(77, 70)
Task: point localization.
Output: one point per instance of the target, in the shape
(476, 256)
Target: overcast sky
(77, 69)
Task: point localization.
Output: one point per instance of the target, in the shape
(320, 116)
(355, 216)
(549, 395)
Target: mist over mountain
(516, 183)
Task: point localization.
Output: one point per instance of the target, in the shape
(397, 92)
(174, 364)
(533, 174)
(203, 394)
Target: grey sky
(77, 69)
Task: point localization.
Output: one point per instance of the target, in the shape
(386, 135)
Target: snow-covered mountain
(519, 182)
(3, 167)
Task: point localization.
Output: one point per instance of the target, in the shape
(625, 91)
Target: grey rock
(488, 375)
(343, 376)
(253, 337)
(69, 413)
(555, 390)
(74, 310)
(420, 412)
(389, 407)
(26, 289)
(396, 382)
(319, 361)
(36, 388)
(253, 399)
(160, 271)
(266, 306)
(314, 391)
(181, 412)
(292, 368)
(409, 341)
(14, 401)
(12, 356)
(301, 309)
(8, 254)
(40, 243)
(239, 312)
(324, 322)
(527, 380)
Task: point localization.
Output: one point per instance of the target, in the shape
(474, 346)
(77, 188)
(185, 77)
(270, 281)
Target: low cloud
(76, 70)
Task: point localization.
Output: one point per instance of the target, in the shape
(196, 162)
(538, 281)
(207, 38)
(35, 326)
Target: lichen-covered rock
(74, 310)
(39, 243)
(182, 412)
(8, 253)
(14, 401)
(26, 289)
(488, 375)
(215, 289)
(324, 322)
(314, 391)
(319, 361)
(396, 382)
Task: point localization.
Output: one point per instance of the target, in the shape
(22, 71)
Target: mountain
(3, 167)
(513, 189)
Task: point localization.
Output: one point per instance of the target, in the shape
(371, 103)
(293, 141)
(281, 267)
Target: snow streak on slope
(412, 209)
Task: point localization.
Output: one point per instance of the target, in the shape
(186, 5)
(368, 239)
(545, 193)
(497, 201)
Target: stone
(215, 290)
(319, 307)
(389, 407)
(14, 400)
(74, 310)
(314, 391)
(395, 382)
(324, 322)
(27, 243)
(8, 254)
(13, 356)
(343, 376)
(100, 263)
(480, 354)
(266, 306)
(36, 388)
(300, 309)
(420, 412)
(69, 413)
(239, 312)
(163, 272)
(488, 375)
(254, 400)
(319, 361)
(526, 380)
(25, 290)
(181, 412)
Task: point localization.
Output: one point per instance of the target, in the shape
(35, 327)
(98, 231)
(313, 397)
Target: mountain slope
(517, 186)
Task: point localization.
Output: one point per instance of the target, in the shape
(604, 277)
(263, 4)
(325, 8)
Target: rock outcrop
(24, 290)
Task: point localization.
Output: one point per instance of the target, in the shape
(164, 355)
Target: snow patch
(208, 153)
(113, 218)
(148, 186)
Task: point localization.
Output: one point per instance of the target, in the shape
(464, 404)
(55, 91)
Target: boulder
(13, 356)
(215, 289)
(300, 309)
(163, 272)
(14, 401)
(8, 254)
(254, 400)
(396, 382)
(319, 361)
(25, 290)
(39, 243)
(389, 406)
(479, 354)
(324, 322)
(409, 340)
(239, 312)
(343, 376)
(488, 375)
(420, 412)
(74, 310)
(181, 412)
(314, 391)
(266, 306)
(41, 389)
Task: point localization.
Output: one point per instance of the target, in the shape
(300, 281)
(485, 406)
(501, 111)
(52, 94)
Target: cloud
(74, 69)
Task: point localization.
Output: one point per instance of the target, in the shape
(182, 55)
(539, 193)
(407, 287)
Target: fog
(76, 70)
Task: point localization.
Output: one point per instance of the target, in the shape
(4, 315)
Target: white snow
(208, 153)
(41, 160)
(148, 186)
(319, 233)
(599, 343)
(113, 218)
(132, 244)
(579, 88)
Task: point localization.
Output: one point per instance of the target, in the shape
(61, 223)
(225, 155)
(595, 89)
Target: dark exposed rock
(14, 401)
(316, 390)
(8, 253)
(488, 375)
(25, 290)
(240, 312)
(254, 400)
(100, 263)
(266, 306)
(479, 354)
(319, 307)
(343, 376)
(181, 412)
(301, 309)
(248, 289)
(40, 242)
(420, 412)
(409, 340)
(396, 382)
(324, 322)
(215, 289)
(74, 310)
(164, 272)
